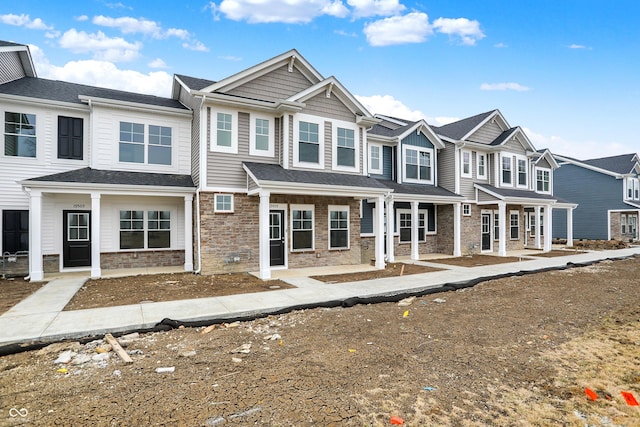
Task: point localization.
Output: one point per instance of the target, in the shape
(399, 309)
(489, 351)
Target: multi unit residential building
(607, 190)
(274, 167)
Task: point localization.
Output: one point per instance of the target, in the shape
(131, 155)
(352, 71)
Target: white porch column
(415, 255)
(570, 227)
(188, 232)
(96, 270)
(547, 228)
(536, 222)
(264, 257)
(391, 221)
(502, 225)
(456, 229)
(36, 272)
(379, 232)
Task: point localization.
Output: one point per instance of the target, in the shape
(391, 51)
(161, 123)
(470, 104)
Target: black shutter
(70, 134)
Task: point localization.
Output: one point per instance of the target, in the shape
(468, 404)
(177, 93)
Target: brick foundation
(616, 226)
(141, 259)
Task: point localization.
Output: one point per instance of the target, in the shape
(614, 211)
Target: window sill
(339, 249)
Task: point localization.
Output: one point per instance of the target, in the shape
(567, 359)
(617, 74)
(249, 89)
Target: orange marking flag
(592, 395)
(631, 401)
(397, 421)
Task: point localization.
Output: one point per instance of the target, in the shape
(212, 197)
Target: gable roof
(193, 83)
(24, 54)
(291, 58)
(56, 90)
(616, 166)
(462, 128)
(397, 129)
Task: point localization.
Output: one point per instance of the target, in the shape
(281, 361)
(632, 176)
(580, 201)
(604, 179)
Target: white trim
(338, 208)
(253, 150)
(466, 205)
(335, 124)
(462, 163)
(296, 140)
(380, 169)
(424, 212)
(431, 153)
(517, 213)
(535, 179)
(478, 175)
(501, 157)
(526, 172)
(233, 149)
(491, 239)
(215, 203)
(304, 207)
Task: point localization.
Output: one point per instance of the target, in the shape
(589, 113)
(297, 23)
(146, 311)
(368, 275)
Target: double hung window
(141, 229)
(19, 134)
(302, 227)
(140, 143)
(338, 227)
(417, 165)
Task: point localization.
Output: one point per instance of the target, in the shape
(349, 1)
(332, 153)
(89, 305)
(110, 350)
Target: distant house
(91, 178)
(607, 190)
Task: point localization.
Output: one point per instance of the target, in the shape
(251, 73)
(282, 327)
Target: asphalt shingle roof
(382, 130)
(522, 194)
(69, 92)
(418, 189)
(621, 164)
(96, 176)
(6, 43)
(194, 82)
(276, 173)
(459, 129)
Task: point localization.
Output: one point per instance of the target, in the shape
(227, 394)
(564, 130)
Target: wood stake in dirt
(402, 270)
(208, 329)
(118, 348)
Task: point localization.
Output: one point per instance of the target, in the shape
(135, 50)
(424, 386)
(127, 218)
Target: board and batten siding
(595, 194)
(11, 67)
(14, 169)
(487, 133)
(446, 167)
(277, 85)
(106, 138)
(224, 170)
(194, 104)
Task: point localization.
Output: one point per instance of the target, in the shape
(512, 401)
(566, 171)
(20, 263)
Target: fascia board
(589, 167)
(317, 189)
(115, 103)
(232, 101)
(82, 187)
(41, 101)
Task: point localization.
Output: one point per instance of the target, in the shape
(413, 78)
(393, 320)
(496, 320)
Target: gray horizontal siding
(331, 107)
(486, 134)
(278, 84)
(543, 163)
(514, 146)
(446, 167)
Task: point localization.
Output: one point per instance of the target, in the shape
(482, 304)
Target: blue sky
(566, 71)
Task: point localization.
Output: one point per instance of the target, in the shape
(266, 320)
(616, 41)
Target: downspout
(198, 236)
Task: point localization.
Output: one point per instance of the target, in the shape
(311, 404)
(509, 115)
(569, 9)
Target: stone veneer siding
(141, 259)
(224, 235)
(616, 226)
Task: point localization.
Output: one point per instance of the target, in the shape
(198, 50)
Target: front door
(276, 238)
(76, 239)
(486, 232)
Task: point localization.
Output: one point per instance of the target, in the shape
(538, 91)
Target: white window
(224, 131)
(543, 177)
(417, 165)
(481, 160)
(338, 227)
(345, 146)
(496, 225)
(138, 232)
(522, 173)
(623, 224)
(308, 147)
(465, 159)
(302, 236)
(514, 223)
(375, 159)
(262, 136)
(19, 134)
(135, 147)
(505, 170)
(636, 189)
(404, 225)
(466, 209)
(223, 203)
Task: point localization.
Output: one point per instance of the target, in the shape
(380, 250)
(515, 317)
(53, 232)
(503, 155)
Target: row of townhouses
(275, 167)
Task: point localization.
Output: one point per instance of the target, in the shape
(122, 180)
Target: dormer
(15, 62)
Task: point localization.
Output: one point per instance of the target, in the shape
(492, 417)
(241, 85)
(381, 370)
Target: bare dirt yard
(518, 351)
(15, 290)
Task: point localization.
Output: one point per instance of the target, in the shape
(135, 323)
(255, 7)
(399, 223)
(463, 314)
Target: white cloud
(230, 58)
(500, 45)
(81, 18)
(179, 33)
(504, 86)
(129, 25)
(103, 74)
(285, 11)
(157, 63)
(366, 8)
(468, 31)
(389, 106)
(195, 45)
(411, 28)
(578, 46)
(577, 149)
(345, 34)
(24, 21)
(100, 46)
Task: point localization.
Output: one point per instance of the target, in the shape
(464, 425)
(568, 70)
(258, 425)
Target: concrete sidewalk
(40, 317)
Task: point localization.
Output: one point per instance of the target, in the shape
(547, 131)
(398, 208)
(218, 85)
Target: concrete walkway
(40, 317)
